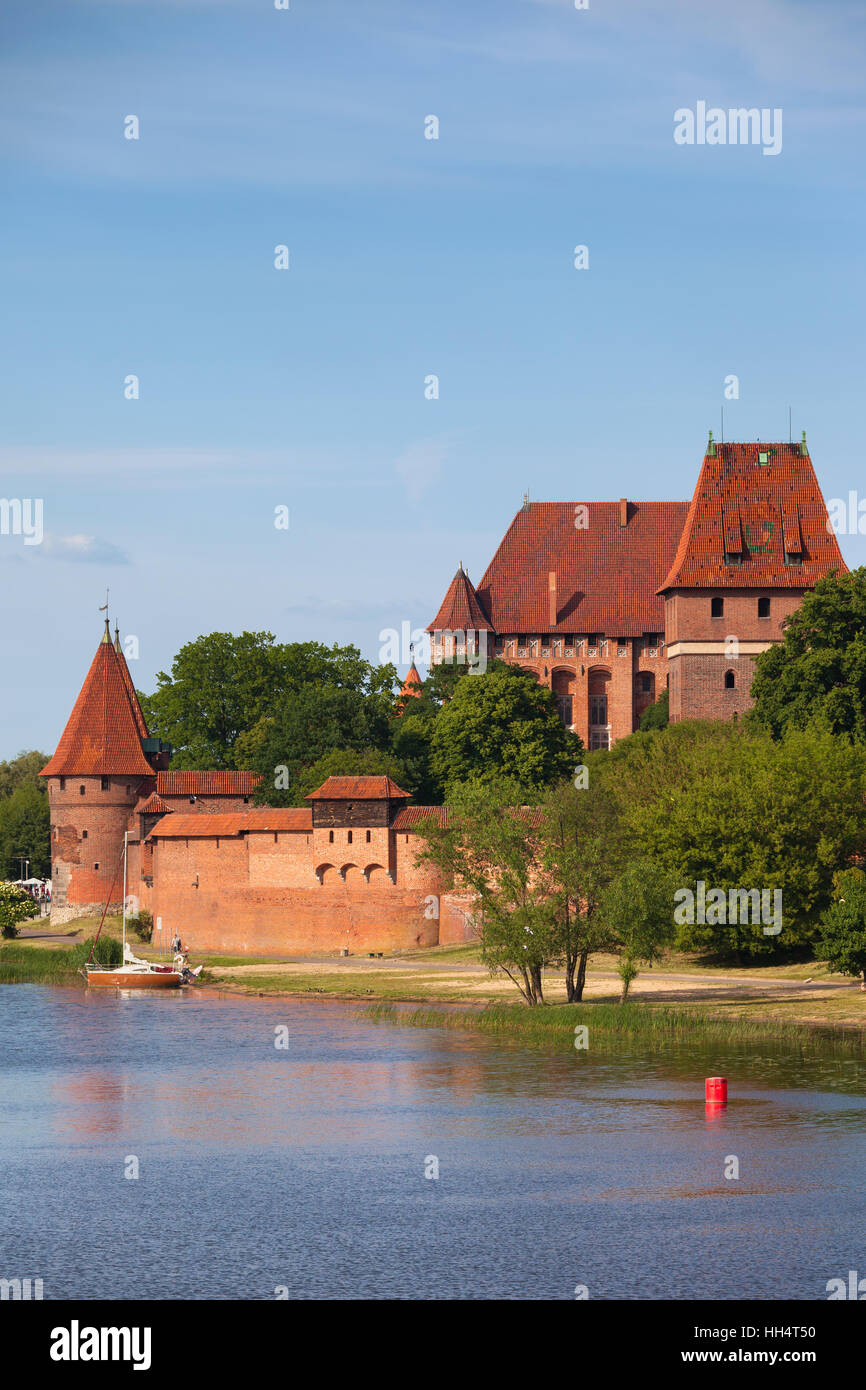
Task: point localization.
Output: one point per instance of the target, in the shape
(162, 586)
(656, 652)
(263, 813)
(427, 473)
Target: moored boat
(133, 973)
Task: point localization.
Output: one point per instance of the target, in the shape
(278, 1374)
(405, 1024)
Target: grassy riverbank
(554, 1025)
(683, 996)
(34, 965)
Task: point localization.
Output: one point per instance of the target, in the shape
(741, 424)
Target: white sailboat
(133, 973)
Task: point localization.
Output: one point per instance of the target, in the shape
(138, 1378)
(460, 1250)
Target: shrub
(142, 925)
(16, 906)
(108, 951)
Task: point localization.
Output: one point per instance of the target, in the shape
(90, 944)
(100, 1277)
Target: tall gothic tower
(757, 537)
(104, 762)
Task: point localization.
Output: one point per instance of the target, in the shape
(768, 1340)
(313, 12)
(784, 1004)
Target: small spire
(116, 638)
(106, 636)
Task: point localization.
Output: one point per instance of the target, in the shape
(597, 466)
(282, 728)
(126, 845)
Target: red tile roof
(130, 690)
(153, 806)
(460, 610)
(410, 690)
(410, 816)
(194, 783)
(759, 510)
(606, 574)
(357, 789)
(232, 823)
(104, 731)
(412, 683)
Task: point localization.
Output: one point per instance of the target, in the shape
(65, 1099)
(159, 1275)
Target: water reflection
(306, 1166)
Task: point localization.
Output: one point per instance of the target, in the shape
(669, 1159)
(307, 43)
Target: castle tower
(756, 538)
(410, 690)
(456, 630)
(104, 762)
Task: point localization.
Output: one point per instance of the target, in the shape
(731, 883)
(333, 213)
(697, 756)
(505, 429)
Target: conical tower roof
(410, 689)
(104, 731)
(461, 610)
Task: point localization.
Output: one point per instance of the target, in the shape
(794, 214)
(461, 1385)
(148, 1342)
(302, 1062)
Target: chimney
(623, 512)
(551, 599)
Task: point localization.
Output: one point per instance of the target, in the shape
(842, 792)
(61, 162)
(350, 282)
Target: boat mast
(123, 917)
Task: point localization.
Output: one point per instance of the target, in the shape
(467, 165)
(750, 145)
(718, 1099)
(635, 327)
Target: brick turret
(104, 763)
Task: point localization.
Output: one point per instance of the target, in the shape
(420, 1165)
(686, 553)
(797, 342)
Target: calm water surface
(304, 1168)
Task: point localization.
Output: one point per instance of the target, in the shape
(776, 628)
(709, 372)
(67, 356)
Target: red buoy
(716, 1090)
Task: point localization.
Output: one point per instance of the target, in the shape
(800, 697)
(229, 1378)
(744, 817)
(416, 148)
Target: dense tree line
(298, 712)
(24, 816)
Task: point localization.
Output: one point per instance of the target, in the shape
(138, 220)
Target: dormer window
(733, 557)
(793, 557)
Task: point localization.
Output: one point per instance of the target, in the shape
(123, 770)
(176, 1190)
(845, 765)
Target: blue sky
(408, 257)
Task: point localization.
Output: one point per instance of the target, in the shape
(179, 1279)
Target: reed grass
(44, 966)
(653, 1026)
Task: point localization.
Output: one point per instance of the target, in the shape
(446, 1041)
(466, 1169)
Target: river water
(302, 1168)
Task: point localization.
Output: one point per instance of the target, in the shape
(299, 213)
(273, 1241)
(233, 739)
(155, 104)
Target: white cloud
(82, 550)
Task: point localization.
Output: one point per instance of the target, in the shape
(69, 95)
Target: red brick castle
(607, 603)
(226, 875)
(611, 603)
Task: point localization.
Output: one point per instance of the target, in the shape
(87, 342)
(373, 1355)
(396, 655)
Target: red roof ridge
(230, 824)
(357, 789)
(206, 782)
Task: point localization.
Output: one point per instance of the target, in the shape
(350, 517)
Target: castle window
(646, 685)
(246, 800)
(96, 866)
(84, 834)
(63, 784)
(368, 837)
(192, 801)
(330, 837)
(81, 790)
(763, 608)
(105, 784)
(717, 608)
(349, 838)
(730, 680)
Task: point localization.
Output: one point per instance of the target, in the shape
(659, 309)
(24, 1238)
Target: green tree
(638, 907)
(843, 926)
(657, 715)
(25, 830)
(16, 906)
(223, 686)
(306, 726)
(502, 723)
(490, 849)
(22, 771)
(583, 850)
(351, 762)
(817, 673)
(737, 810)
